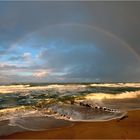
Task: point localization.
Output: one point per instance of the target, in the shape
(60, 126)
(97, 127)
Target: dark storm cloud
(86, 63)
(20, 18)
(73, 52)
(83, 53)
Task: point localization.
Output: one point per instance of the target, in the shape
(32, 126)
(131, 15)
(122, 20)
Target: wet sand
(125, 128)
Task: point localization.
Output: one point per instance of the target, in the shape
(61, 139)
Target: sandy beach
(126, 128)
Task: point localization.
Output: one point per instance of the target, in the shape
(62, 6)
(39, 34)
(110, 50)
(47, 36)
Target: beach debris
(96, 107)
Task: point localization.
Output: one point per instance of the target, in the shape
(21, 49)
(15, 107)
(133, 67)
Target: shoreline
(126, 128)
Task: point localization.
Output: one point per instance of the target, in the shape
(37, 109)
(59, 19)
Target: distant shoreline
(47, 83)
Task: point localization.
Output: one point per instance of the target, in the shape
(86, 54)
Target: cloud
(79, 53)
(41, 40)
(40, 73)
(25, 57)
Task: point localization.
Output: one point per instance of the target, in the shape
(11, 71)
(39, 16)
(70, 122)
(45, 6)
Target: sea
(43, 106)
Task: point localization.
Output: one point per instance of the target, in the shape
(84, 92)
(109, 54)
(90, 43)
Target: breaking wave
(124, 95)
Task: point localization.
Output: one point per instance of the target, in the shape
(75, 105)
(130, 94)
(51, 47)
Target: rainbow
(91, 27)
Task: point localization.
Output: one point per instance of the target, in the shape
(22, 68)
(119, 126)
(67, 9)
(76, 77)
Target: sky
(75, 41)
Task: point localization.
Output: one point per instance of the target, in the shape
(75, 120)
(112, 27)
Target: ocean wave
(124, 95)
(80, 111)
(66, 89)
(115, 85)
(20, 111)
(24, 89)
